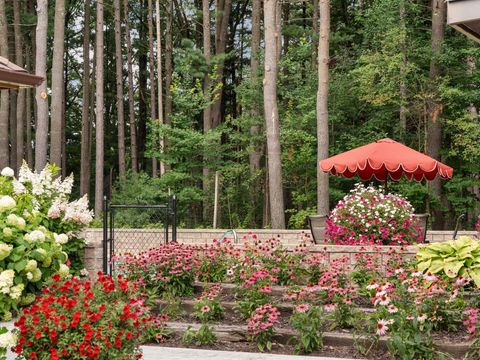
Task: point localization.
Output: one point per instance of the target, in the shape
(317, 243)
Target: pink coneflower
(330, 307)
(429, 277)
(205, 309)
(392, 309)
(422, 318)
(302, 308)
(382, 327)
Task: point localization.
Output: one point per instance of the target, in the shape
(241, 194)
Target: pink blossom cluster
(258, 275)
(264, 318)
(471, 321)
(368, 216)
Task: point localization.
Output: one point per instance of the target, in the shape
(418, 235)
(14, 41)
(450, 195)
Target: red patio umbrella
(385, 158)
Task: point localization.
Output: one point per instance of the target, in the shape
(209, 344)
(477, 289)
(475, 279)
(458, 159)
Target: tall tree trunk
(434, 137)
(4, 96)
(99, 130)
(322, 106)
(315, 32)
(21, 92)
(222, 19)
(57, 84)
(151, 64)
(28, 112)
(142, 91)
(85, 141)
(168, 61)
(159, 78)
(41, 96)
(13, 108)
(131, 105)
(119, 82)
(207, 113)
(271, 117)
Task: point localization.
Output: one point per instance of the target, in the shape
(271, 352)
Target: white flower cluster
(16, 221)
(76, 211)
(8, 340)
(7, 203)
(5, 250)
(6, 280)
(35, 235)
(43, 183)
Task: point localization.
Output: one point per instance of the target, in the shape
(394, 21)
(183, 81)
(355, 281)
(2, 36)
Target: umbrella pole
(386, 184)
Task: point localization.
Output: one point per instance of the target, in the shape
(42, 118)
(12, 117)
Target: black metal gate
(132, 229)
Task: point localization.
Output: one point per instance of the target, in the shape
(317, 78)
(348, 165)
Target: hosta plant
(453, 258)
(368, 216)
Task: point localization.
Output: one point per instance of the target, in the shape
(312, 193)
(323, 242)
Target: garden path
(157, 352)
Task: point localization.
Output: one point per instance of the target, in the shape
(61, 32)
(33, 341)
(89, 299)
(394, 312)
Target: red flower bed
(75, 319)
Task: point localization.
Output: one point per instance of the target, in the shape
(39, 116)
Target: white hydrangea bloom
(61, 238)
(8, 340)
(5, 250)
(8, 172)
(7, 202)
(6, 280)
(16, 291)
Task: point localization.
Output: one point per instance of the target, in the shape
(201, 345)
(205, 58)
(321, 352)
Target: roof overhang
(464, 16)
(15, 77)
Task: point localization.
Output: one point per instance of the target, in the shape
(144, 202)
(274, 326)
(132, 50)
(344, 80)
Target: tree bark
(21, 92)
(85, 137)
(41, 96)
(119, 83)
(207, 113)
(255, 153)
(4, 95)
(403, 65)
(271, 117)
(315, 32)
(151, 63)
(13, 106)
(168, 61)
(57, 84)
(131, 105)
(142, 91)
(161, 120)
(99, 130)
(28, 112)
(222, 19)
(322, 106)
(434, 137)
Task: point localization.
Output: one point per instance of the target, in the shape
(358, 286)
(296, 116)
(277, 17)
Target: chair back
(317, 227)
(422, 223)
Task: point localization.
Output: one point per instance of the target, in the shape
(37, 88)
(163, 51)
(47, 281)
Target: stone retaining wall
(290, 238)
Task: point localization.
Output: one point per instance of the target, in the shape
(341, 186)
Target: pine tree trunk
(168, 61)
(315, 33)
(255, 153)
(434, 136)
(13, 107)
(28, 111)
(119, 83)
(21, 92)
(57, 84)
(271, 117)
(322, 106)
(99, 129)
(403, 65)
(4, 95)
(85, 138)
(41, 96)
(142, 91)
(159, 78)
(222, 18)
(151, 64)
(207, 113)
(131, 105)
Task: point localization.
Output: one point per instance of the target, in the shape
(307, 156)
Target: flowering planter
(236, 333)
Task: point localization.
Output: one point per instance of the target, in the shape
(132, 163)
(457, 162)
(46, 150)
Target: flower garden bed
(369, 303)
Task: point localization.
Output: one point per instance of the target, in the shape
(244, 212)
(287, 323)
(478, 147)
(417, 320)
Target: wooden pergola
(464, 16)
(15, 77)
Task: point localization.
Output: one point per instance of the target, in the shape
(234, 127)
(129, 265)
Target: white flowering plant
(368, 216)
(39, 230)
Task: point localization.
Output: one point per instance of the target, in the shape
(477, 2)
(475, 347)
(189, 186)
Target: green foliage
(452, 258)
(203, 336)
(309, 327)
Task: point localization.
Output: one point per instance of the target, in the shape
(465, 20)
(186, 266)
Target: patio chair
(317, 227)
(423, 224)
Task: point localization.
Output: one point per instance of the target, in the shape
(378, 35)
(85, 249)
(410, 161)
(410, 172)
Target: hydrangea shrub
(38, 232)
(368, 216)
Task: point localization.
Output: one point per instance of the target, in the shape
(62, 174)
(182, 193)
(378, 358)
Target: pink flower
(205, 309)
(382, 327)
(302, 308)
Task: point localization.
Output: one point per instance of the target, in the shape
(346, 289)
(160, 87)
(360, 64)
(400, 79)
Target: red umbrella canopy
(385, 158)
